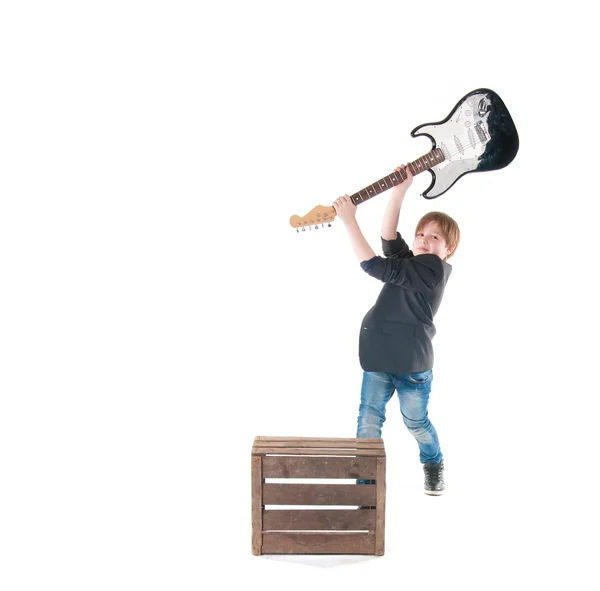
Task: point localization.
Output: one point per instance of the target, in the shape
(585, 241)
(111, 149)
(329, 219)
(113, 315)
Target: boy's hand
(399, 190)
(345, 209)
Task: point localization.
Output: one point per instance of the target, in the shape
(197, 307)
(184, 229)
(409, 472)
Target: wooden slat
(330, 519)
(319, 494)
(380, 515)
(316, 451)
(357, 443)
(321, 440)
(319, 467)
(257, 504)
(319, 543)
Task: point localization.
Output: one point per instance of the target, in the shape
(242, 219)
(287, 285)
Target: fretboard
(391, 180)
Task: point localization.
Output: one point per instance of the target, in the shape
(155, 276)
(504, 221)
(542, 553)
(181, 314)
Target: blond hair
(448, 228)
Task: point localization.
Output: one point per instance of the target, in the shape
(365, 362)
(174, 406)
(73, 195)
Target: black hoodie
(396, 333)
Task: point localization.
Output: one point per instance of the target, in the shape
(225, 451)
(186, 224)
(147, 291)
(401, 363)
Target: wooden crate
(318, 530)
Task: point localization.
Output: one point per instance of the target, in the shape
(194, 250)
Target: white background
(157, 311)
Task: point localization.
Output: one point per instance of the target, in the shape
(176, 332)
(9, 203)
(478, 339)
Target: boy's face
(430, 240)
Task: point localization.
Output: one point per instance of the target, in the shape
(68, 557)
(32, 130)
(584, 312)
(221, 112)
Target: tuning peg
(310, 226)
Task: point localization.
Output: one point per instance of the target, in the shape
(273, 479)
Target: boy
(395, 347)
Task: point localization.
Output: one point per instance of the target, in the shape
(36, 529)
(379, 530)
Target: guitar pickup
(471, 138)
(459, 145)
(445, 151)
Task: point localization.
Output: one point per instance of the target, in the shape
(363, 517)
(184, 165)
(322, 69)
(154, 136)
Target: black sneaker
(434, 478)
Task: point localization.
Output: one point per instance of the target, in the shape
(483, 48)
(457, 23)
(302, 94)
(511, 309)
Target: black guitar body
(479, 135)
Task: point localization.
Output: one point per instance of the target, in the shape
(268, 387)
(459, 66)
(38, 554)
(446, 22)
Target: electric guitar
(478, 135)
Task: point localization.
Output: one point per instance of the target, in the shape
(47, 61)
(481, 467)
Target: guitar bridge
(481, 132)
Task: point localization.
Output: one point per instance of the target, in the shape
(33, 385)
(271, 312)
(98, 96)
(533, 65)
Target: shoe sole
(434, 493)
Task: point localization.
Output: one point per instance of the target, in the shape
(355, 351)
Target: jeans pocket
(419, 377)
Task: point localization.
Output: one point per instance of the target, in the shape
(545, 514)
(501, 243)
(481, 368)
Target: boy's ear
(450, 249)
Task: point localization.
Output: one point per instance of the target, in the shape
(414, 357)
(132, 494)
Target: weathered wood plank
(320, 440)
(324, 519)
(317, 451)
(319, 494)
(257, 504)
(380, 515)
(319, 543)
(357, 443)
(319, 467)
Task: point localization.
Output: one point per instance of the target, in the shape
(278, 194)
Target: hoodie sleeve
(396, 249)
(421, 273)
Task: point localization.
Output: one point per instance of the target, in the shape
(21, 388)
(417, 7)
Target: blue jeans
(413, 393)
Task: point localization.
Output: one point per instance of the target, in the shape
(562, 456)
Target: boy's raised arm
(346, 211)
(389, 226)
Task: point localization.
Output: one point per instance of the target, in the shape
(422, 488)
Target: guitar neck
(391, 180)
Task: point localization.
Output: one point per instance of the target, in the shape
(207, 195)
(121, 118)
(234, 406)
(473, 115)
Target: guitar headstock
(319, 216)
